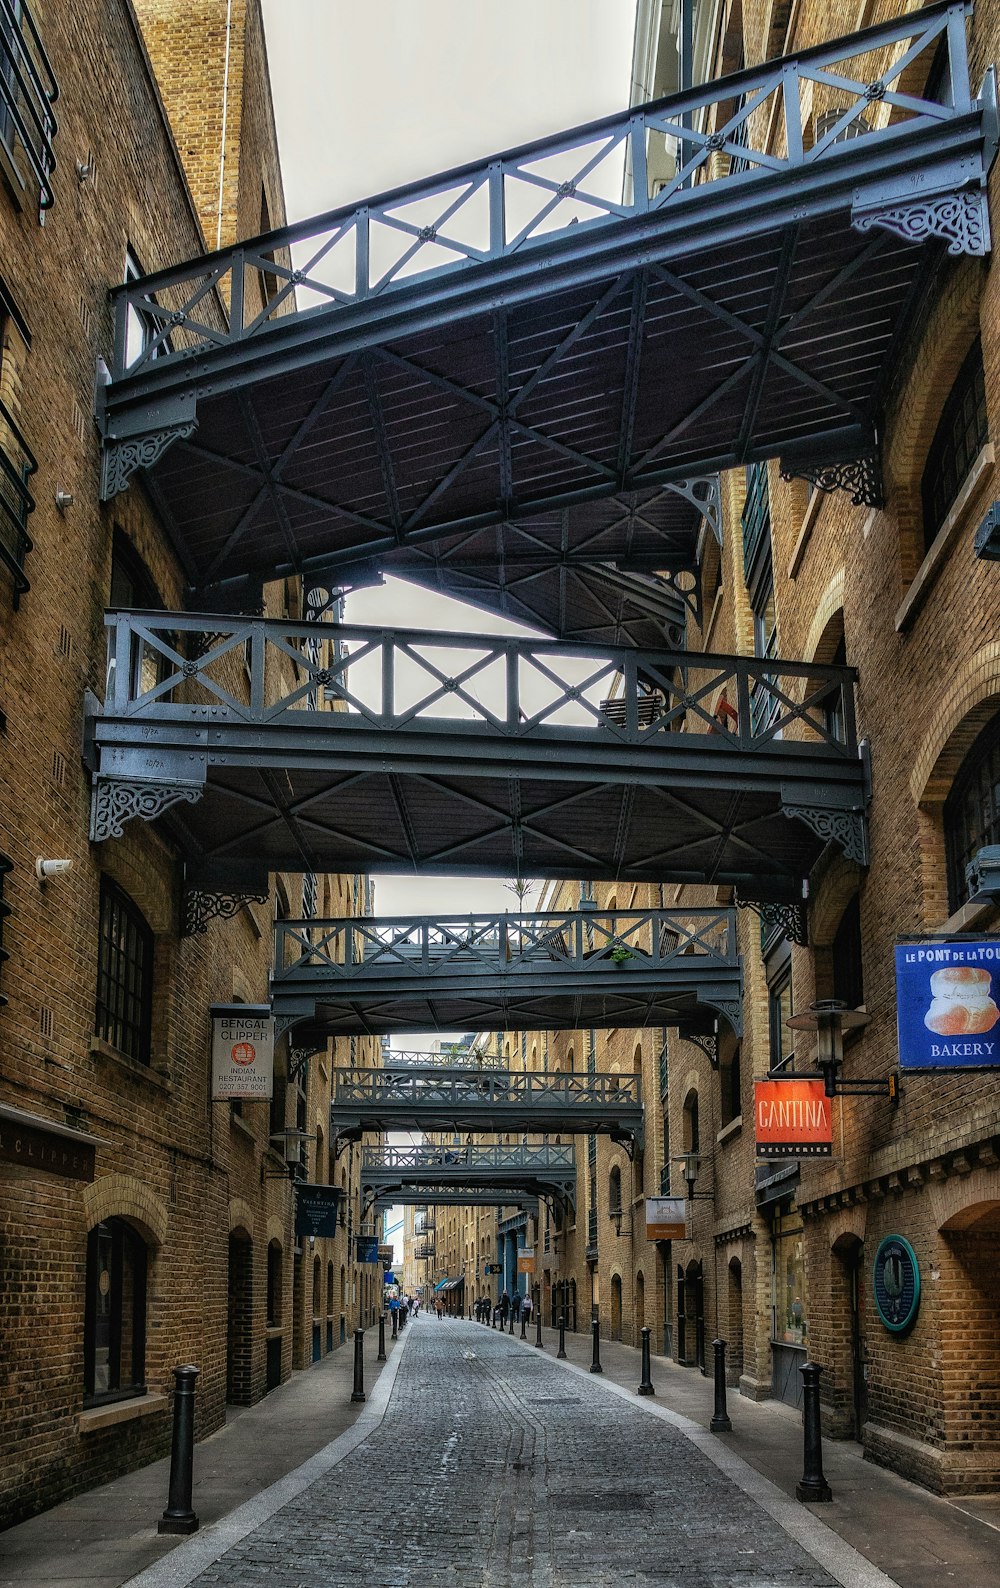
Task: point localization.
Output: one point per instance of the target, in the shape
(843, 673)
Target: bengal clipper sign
(793, 1118)
(242, 1052)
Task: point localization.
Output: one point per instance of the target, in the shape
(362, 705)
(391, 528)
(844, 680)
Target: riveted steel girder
(328, 747)
(471, 353)
(448, 1197)
(559, 970)
(547, 1171)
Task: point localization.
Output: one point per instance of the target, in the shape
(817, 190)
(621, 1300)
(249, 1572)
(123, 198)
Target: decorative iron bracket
(961, 219)
(707, 1041)
(120, 459)
(729, 1009)
(846, 828)
(298, 1058)
(789, 916)
(861, 476)
(116, 801)
(202, 906)
(285, 1023)
(704, 492)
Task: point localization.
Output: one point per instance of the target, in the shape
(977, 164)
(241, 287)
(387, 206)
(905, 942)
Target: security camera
(45, 870)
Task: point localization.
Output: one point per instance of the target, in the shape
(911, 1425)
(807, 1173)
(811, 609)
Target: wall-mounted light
(85, 170)
(45, 870)
(64, 499)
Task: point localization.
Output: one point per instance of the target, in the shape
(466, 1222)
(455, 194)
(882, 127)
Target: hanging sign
(526, 1260)
(896, 1283)
(242, 1051)
(793, 1118)
(948, 1005)
(666, 1219)
(366, 1248)
(316, 1208)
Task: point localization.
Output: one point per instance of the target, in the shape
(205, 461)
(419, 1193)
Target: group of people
(404, 1307)
(516, 1307)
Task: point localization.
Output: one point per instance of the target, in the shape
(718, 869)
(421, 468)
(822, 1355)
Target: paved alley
(494, 1465)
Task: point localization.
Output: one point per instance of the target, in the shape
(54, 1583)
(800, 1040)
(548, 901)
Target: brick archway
(121, 1196)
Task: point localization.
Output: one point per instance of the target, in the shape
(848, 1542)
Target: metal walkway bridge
(494, 1102)
(323, 747)
(448, 1197)
(536, 353)
(546, 1172)
(565, 970)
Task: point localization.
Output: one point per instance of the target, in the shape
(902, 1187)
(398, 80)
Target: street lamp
(830, 1018)
(692, 1162)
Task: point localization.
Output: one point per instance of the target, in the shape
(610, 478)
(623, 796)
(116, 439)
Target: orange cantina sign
(793, 1119)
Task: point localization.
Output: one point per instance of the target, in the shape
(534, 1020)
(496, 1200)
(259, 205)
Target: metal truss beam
(544, 1172)
(453, 341)
(439, 1197)
(552, 971)
(330, 747)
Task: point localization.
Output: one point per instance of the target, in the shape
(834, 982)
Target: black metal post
(511, 1329)
(358, 1393)
(179, 1517)
(538, 1327)
(524, 1324)
(646, 1386)
(561, 1353)
(595, 1331)
(721, 1422)
(814, 1486)
(381, 1338)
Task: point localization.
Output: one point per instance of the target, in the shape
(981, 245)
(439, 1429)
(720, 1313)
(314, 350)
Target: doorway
(239, 1325)
(616, 1307)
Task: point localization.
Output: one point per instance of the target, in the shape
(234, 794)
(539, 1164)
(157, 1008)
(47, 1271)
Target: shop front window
(791, 1316)
(115, 1320)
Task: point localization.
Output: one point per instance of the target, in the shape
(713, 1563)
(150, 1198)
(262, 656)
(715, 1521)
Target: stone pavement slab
(103, 1537)
(919, 1539)
(494, 1467)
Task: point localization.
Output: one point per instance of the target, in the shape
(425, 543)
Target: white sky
(372, 94)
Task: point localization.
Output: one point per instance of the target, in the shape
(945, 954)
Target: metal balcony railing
(473, 1059)
(408, 681)
(568, 185)
(28, 91)
(473, 1156)
(359, 1086)
(17, 465)
(425, 1253)
(355, 948)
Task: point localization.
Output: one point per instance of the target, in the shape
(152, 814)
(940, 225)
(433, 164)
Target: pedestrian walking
(504, 1306)
(439, 1308)
(516, 1305)
(526, 1305)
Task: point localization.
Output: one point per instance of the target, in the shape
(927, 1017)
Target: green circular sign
(896, 1283)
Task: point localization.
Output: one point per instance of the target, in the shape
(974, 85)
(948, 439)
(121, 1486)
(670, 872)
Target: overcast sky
(371, 94)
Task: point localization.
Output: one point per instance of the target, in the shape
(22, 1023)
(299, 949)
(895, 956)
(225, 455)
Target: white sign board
(242, 1052)
(666, 1219)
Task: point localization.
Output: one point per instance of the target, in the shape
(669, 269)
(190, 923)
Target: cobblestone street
(493, 1465)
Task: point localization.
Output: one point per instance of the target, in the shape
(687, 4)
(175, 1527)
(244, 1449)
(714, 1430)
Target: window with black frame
(758, 573)
(114, 1349)
(781, 1044)
(848, 966)
(962, 433)
(730, 1082)
(972, 811)
(123, 1015)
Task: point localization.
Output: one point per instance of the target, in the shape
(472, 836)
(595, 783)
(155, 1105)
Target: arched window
(963, 430)
(124, 1009)
(114, 1327)
(730, 1079)
(691, 1136)
(972, 810)
(848, 970)
(615, 1190)
(274, 1285)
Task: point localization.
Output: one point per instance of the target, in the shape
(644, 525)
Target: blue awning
(440, 1285)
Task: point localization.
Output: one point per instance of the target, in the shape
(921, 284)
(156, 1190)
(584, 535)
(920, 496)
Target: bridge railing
(176, 667)
(555, 942)
(546, 1156)
(366, 1086)
(736, 131)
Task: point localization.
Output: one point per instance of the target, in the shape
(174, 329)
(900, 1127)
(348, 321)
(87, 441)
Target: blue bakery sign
(948, 1004)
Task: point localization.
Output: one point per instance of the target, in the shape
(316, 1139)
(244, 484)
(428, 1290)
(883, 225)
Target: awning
(454, 1284)
(442, 1284)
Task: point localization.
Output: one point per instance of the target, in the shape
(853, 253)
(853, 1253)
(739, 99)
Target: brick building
(143, 1225)
(781, 1255)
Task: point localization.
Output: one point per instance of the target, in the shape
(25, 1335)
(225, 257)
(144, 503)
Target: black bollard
(595, 1331)
(561, 1353)
(179, 1517)
(646, 1386)
(511, 1329)
(524, 1324)
(358, 1393)
(493, 1317)
(381, 1338)
(538, 1327)
(721, 1422)
(814, 1486)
